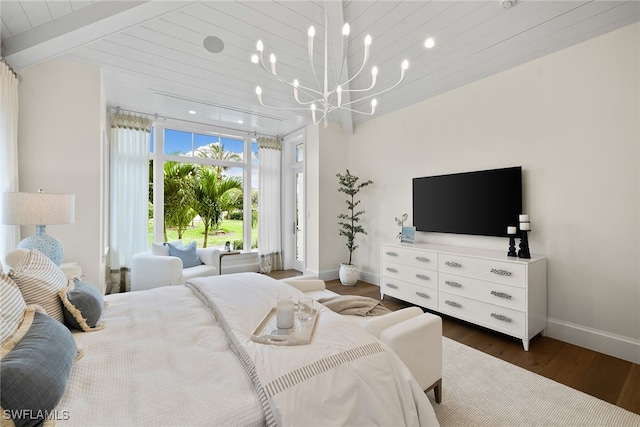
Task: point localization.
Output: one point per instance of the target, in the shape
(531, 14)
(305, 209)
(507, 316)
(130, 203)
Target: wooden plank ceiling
(153, 61)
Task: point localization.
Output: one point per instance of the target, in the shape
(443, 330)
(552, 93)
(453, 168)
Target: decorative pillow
(162, 249)
(35, 368)
(187, 254)
(82, 305)
(39, 280)
(12, 307)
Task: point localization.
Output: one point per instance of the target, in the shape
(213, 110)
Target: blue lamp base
(50, 246)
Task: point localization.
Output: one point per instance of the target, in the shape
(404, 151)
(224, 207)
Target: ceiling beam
(335, 19)
(77, 29)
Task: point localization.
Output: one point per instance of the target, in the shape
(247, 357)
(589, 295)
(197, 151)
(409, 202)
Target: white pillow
(163, 250)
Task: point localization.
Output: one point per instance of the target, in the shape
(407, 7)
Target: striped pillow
(39, 280)
(12, 307)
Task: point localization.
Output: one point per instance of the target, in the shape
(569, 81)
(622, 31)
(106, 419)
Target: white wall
(333, 160)
(312, 200)
(572, 121)
(59, 150)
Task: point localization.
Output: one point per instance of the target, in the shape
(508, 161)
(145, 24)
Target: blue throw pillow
(187, 254)
(36, 370)
(82, 305)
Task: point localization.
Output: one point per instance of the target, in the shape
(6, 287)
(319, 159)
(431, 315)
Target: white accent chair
(416, 337)
(151, 270)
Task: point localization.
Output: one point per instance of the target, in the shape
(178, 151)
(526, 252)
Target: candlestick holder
(512, 247)
(524, 245)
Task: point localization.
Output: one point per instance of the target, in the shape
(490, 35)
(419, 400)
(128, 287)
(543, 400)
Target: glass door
(294, 213)
(298, 263)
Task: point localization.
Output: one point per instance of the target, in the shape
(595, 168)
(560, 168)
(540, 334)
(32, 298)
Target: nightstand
(71, 269)
(224, 254)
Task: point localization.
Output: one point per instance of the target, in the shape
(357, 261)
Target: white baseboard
(335, 275)
(374, 279)
(603, 342)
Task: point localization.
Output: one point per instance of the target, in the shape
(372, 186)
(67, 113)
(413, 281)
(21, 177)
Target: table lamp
(39, 209)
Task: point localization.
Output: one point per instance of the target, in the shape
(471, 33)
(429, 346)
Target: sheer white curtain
(9, 234)
(269, 218)
(129, 180)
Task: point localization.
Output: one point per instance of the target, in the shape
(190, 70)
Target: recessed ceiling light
(429, 43)
(192, 112)
(213, 44)
(241, 121)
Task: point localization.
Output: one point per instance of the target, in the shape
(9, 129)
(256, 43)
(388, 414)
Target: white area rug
(482, 390)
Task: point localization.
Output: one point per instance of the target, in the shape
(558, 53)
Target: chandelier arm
(365, 58)
(302, 89)
(310, 51)
(345, 43)
(360, 90)
(377, 93)
(306, 90)
(268, 70)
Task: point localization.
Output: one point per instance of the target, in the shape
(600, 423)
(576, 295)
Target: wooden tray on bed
(267, 333)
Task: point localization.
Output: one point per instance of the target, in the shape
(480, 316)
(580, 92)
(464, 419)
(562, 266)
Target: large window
(204, 187)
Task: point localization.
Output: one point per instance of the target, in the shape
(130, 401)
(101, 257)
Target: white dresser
(488, 288)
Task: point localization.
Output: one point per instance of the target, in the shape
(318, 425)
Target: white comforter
(163, 359)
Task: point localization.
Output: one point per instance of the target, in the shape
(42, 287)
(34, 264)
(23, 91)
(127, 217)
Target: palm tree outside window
(210, 188)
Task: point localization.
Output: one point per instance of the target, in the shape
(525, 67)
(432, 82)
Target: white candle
(524, 218)
(525, 226)
(511, 230)
(284, 312)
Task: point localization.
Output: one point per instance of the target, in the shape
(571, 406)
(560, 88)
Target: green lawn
(230, 231)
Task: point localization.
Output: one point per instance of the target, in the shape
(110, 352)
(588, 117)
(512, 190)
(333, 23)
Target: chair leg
(437, 390)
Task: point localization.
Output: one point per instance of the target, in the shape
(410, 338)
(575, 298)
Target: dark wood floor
(613, 380)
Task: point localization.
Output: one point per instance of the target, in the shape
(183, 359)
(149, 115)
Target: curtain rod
(4, 61)
(156, 116)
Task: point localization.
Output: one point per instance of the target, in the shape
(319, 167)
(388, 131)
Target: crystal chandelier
(322, 100)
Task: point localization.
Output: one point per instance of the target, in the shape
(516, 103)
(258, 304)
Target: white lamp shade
(38, 208)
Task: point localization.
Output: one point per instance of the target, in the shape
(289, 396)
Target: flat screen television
(483, 202)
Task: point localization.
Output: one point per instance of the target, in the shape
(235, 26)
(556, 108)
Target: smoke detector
(508, 4)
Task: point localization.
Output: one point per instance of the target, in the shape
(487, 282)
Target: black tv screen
(479, 203)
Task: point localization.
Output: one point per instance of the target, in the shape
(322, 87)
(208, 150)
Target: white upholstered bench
(416, 337)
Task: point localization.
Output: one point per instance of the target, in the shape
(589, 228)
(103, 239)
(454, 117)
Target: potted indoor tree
(349, 224)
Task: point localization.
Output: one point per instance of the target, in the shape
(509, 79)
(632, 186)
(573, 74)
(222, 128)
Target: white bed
(164, 359)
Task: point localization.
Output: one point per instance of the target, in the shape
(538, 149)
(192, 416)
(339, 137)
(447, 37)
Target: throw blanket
(355, 305)
(343, 377)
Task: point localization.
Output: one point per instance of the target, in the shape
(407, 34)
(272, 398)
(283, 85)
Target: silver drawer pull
(422, 277)
(453, 284)
(423, 295)
(453, 264)
(392, 286)
(422, 259)
(392, 270)
(453, 304)
(500, 272)
(501, 317)
(501, 294)
(392, 253)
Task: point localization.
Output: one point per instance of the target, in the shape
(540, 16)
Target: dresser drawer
(513, 297)
(485, 269)
(424, 297)
(411, 274)
(410, 256)
(484, 314)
